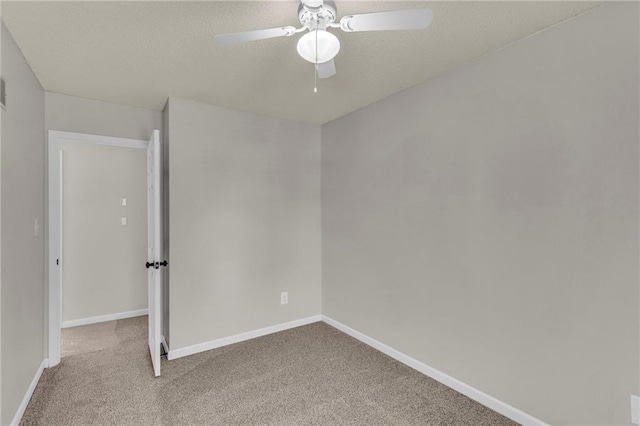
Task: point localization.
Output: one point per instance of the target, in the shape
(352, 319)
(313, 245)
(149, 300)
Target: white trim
(27, 396)
(54, 223)
(635, 410)
(455, 384)
(104, 318)
(224, 341)
(164, 345)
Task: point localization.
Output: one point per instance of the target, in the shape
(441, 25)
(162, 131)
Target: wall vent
(3, 94)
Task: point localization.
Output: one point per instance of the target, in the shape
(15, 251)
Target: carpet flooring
(90, 338)
(310, 375)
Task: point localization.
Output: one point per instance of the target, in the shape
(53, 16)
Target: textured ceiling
(139, 53)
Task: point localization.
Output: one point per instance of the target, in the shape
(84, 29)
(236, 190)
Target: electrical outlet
(36, 228)
(284, 298)
(123, 221)
(635, 410)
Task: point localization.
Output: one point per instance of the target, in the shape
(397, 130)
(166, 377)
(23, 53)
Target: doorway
(104, 223)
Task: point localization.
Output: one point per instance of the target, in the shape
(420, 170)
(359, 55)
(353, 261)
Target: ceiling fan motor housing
(309, 13)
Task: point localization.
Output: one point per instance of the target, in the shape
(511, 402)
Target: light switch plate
(635, 410)
(123, 221)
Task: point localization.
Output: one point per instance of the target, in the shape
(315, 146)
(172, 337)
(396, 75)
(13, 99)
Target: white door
(155, 248)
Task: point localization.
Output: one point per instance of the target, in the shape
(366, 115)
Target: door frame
(54, 228)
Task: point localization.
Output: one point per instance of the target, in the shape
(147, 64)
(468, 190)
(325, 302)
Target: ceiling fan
(319, 46)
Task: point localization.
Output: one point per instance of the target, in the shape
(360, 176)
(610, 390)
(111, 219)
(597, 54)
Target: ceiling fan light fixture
(328, 46)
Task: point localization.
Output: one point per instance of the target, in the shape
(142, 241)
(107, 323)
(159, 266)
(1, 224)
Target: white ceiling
(139, 53)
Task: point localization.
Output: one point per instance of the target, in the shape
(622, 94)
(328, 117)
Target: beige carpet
(311, 375)
(90, 338)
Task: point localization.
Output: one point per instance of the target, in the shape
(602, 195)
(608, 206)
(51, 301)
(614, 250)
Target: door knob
(156, 265)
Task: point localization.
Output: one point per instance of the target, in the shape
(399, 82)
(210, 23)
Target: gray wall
(485, 222)
(22, 171)
(80, 115)
(245, 221)
(95, 179)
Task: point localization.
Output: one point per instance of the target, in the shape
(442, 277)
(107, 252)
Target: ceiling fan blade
(412, 19)
(327, 69)
(235, 38)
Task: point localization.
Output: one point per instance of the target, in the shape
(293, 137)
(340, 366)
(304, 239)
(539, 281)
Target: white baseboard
(455, 384)
(104, 318)
(213, 344)
(635, 410)
(27, 396)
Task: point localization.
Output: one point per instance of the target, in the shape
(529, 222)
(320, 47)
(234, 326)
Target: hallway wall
(104, 270)
(81, 115)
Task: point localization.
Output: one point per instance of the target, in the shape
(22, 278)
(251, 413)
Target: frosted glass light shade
(328, 46)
